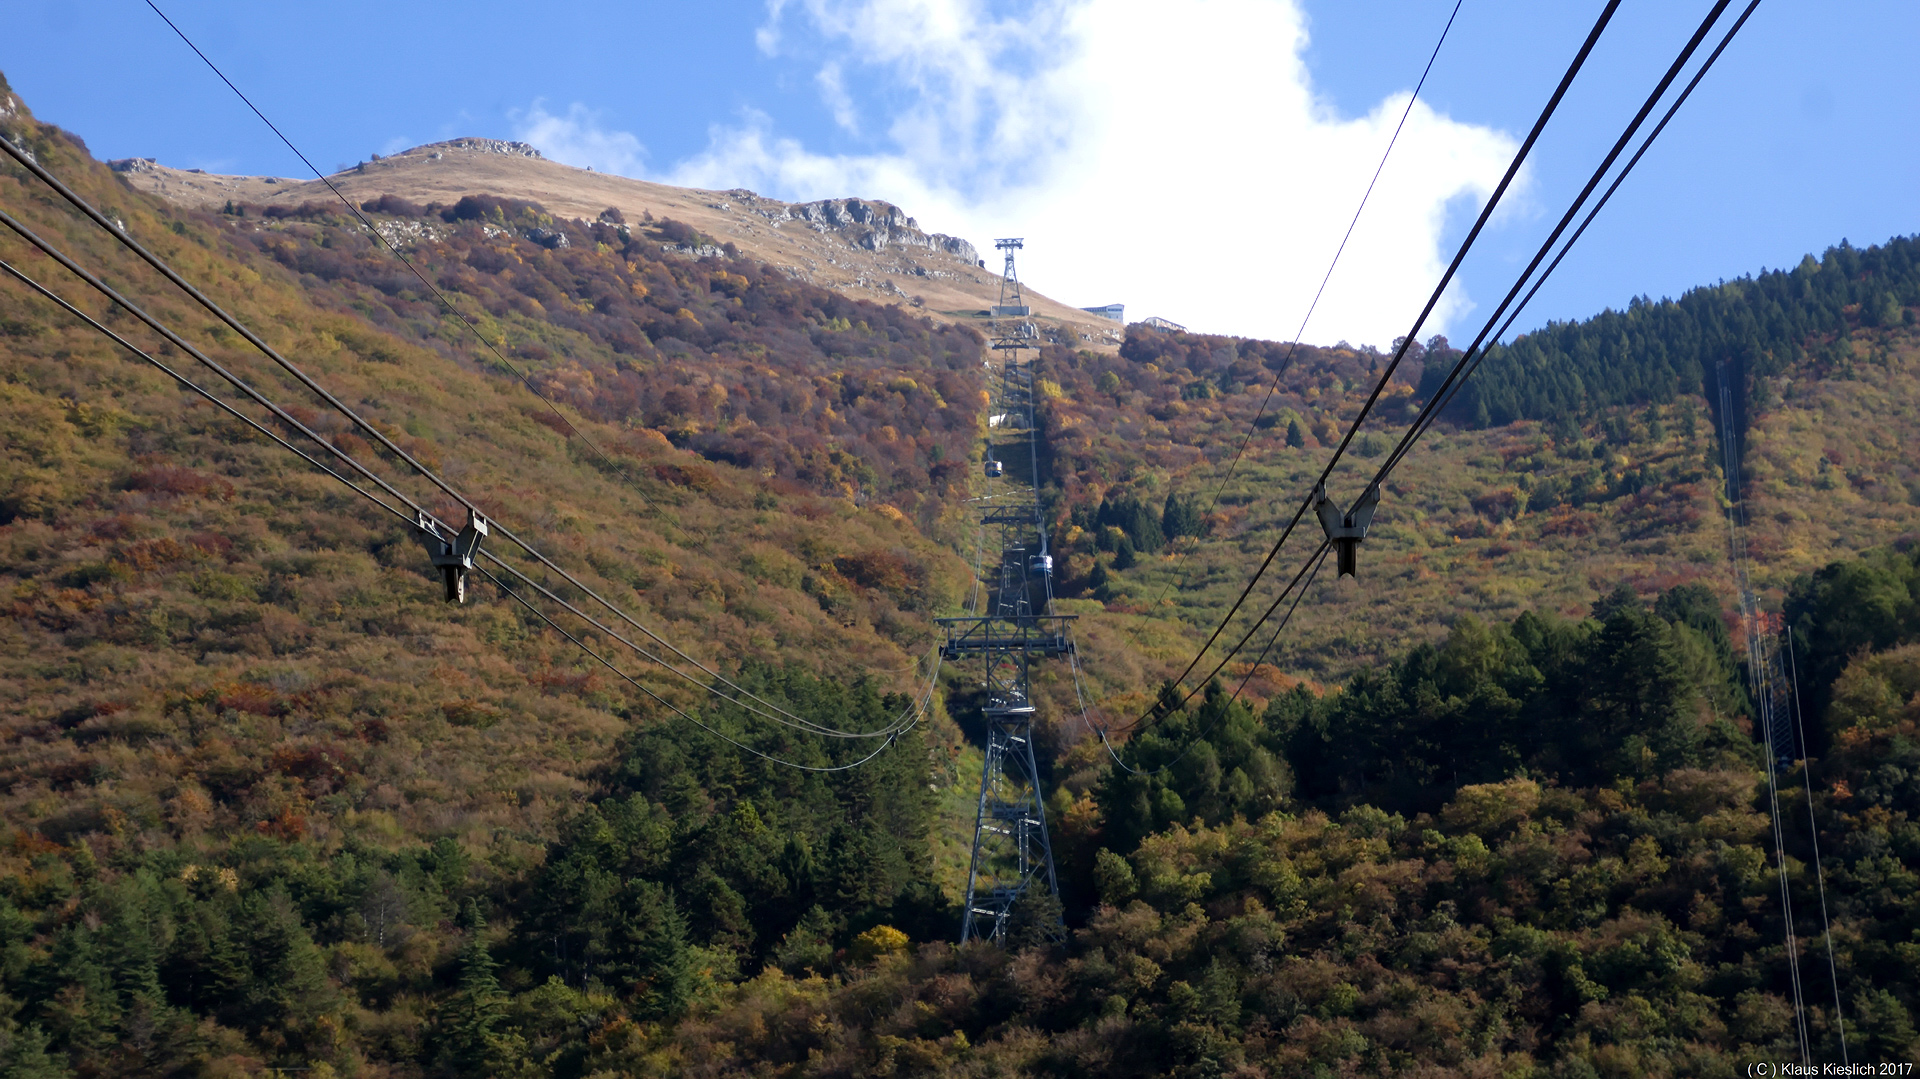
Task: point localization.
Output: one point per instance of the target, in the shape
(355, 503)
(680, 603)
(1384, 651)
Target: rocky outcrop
(481, 146)
(698, 251)
(868, 224)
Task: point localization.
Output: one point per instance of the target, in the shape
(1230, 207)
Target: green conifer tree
(470, 1038)
(651, 958)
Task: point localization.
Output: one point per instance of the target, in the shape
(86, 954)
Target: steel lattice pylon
(1011, 847)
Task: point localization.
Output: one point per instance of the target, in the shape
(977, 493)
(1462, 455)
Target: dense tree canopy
(1654, 350)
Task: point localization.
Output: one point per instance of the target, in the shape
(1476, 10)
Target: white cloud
(579, 139)
(1174, 157)
(833, 92)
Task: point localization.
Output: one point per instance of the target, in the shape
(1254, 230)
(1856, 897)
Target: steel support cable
(1473, 234)
(300, 375)
(1425, 418)
(190, 349)
(1813, 831)
(1780, 852)
(408, 263)
(1654, 134)
(189, 384)
(1470, 360)
(917, 709)
(1319, 559)
(279, 413)
(676, 709)
(358, 421)
(375, 431)
(1310, 566)
(893, 726)
(1286, 362)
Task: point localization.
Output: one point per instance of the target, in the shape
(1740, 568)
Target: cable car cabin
(995, 469)
(1041, 564)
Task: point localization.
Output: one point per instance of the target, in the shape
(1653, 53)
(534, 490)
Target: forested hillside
(1494, 807)
(1762, 326)
(262, 784)
(1611, 475)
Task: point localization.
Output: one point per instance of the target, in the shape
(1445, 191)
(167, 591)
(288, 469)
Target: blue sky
(1196, 161)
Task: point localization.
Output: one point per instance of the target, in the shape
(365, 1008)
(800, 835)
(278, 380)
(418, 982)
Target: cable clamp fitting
(1345, 531)
(454, 554)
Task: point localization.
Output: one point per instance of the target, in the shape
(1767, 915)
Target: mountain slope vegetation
(232, 684)
(1493, 808)
(1579, 458)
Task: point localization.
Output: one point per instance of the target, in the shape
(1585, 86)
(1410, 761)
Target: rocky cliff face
(868, 224)
(480, 146)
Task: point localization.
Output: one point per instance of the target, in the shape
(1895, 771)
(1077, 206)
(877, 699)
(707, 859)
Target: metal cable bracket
(453, 554)
(1345, 531)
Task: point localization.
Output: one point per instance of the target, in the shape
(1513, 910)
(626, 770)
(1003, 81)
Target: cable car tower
(1011, 303)
(1011, 849)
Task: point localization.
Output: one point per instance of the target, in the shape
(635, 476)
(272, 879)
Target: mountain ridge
(273, 805)
(867, 248)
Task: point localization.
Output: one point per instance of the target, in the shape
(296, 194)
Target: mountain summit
(865, 248)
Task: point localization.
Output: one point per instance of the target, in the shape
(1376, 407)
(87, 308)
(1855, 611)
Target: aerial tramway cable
(610, 665)
(421, 514)
(190, 349)
(1473, 234)
(1293, 346)
(1760, 676)
(1470, 360)
(1472, 355)
(918, 706)
(1813, 832)
(188, 383)
(381, 241)
(1286, 362)
(363, 425)
(1312, 570)
(167, 271)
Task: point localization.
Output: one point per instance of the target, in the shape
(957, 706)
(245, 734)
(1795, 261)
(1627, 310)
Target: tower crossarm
(1033, 635)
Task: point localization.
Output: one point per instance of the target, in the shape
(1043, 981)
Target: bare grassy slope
(860, 247)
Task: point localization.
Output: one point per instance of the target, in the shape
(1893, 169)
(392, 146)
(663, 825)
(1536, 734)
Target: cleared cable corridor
(1759, 672)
